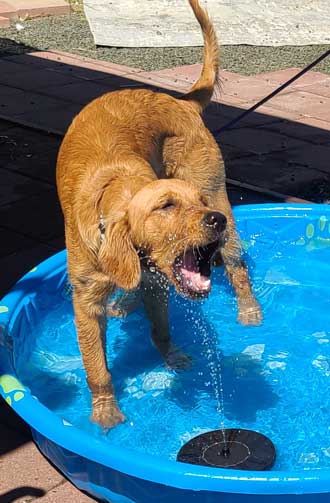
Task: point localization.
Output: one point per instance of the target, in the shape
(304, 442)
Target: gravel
(72, 34)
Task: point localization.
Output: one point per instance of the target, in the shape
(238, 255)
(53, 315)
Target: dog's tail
(201, 92)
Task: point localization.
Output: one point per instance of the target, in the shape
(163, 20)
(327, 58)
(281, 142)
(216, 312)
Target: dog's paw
(250, 313)
(115, 311)
(177, 360)
(106, 412)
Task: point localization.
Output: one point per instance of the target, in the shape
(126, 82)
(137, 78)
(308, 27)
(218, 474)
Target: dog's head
(172, 226)
(165, 226)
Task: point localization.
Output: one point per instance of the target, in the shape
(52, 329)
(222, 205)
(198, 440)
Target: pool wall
(118, 487)
(120, 475)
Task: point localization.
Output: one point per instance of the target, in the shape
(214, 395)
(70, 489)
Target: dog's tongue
(192, 276)
(195, 281)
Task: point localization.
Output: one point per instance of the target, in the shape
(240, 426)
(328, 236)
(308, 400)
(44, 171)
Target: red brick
(15, 102)
(283, 174)
(316, 123)
(305, 103)
(278, 112)
(188, 73)
(247, 89)
(80, 92)
(221, 97)
(4, 22)
(84, 62)
(35, 78)
(322, 89)
(34, 8)
(51, 119)
(7, 9)
(166, 82)
(306, 128)
(282, 76)
(79, 67)
(8, 68)
(259, 141)
(313, 157)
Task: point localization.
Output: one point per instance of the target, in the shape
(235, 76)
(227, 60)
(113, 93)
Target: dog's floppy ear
(118, 257)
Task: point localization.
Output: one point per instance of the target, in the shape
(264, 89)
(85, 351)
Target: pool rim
(144, 466)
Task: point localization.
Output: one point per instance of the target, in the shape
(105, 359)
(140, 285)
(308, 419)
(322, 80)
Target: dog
(141, 183)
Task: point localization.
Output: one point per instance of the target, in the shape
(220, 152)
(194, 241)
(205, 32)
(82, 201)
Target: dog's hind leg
(125, 304)
(155, 292)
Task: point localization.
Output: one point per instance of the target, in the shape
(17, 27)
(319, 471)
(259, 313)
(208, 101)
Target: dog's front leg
(249, 311)
(155, 292)
(90, 318)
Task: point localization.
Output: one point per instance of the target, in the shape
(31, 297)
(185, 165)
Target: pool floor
(273, 379)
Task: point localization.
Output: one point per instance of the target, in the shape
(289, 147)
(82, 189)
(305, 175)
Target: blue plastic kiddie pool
(273, 379)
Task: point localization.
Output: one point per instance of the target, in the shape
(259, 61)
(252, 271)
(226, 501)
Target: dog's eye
(169, 205)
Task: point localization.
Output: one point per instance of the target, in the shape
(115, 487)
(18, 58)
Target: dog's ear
(118, 257)
(88, 225)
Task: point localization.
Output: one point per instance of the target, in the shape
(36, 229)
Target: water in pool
(273, 379)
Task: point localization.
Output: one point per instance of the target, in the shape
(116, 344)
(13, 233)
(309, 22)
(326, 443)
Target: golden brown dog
(142, 187)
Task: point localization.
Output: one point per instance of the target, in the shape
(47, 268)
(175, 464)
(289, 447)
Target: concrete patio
(281, 152)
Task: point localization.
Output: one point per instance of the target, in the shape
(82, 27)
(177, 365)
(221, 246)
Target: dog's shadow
(236, 379)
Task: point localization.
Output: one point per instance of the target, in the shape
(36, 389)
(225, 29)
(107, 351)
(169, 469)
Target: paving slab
(314, 131)
(80, 92)
(64, 493)
(15, 102)
(52, 119)
(4, 22)
(42, 216)
(279, 77)
(37, 166)
(265, 142)
(30, 154)
(13, 9)
(8, 67)
(35, 79)
(307, 104)
(15, 187)
(15, 265)
(65, 62)
(288, 177)
(11, 241)
(24, 471)
(16, 140)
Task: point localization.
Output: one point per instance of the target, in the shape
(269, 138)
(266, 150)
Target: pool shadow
(51, 390)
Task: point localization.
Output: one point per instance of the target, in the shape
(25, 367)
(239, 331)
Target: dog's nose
(215, 220)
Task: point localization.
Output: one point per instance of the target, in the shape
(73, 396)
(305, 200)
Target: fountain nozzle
(225, 452)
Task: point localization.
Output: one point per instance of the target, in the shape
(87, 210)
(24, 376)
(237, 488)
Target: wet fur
(123, 157)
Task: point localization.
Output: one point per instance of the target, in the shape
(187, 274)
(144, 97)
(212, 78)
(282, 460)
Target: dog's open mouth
(192, 270)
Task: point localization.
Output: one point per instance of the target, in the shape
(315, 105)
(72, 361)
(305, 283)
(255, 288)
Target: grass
(76, 5)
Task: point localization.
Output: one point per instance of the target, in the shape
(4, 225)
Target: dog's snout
(215, 220)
